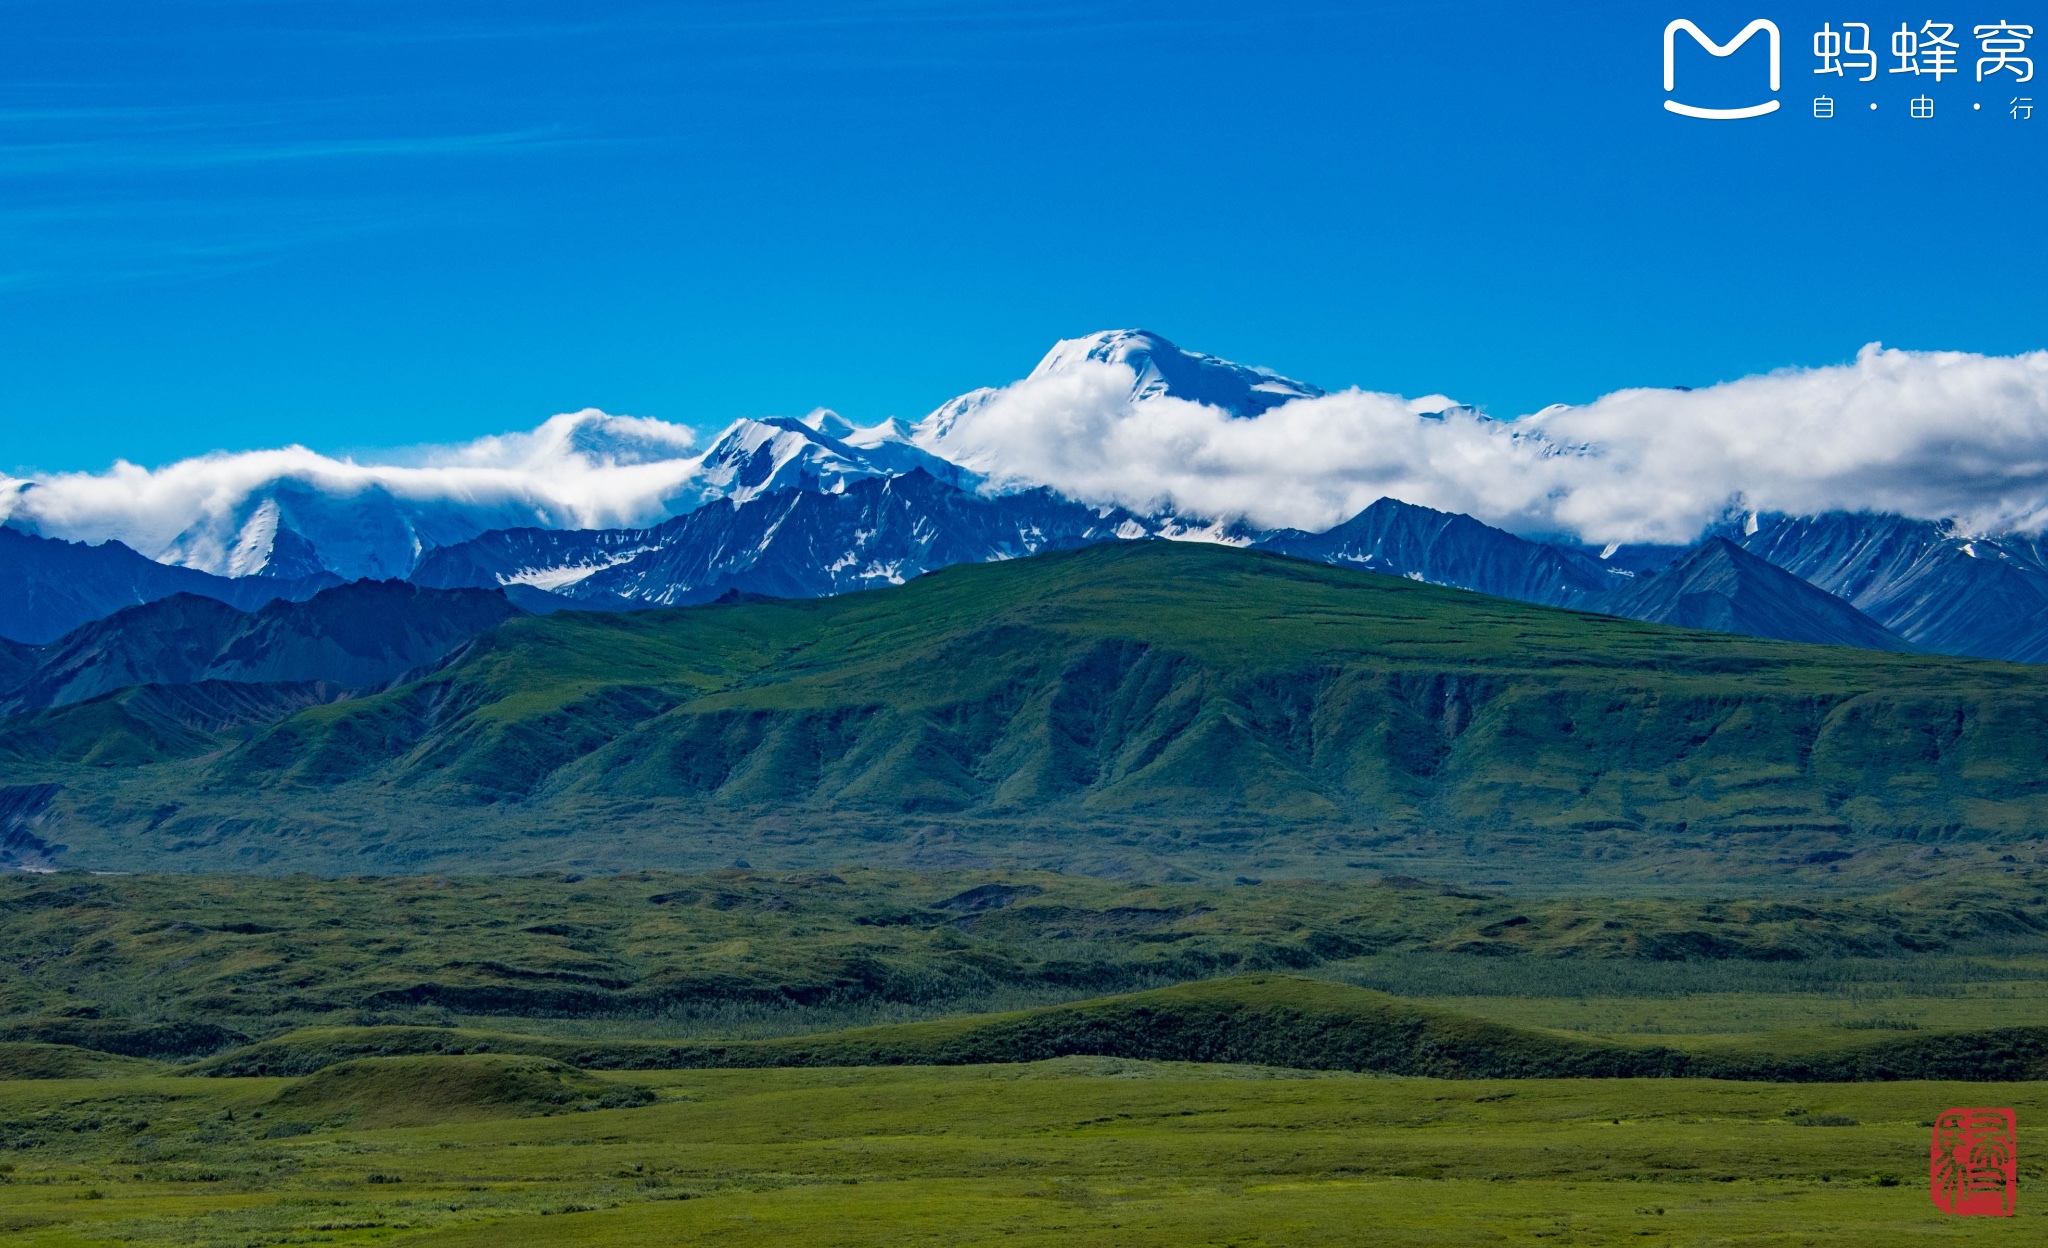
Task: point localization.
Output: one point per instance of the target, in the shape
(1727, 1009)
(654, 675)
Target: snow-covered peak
(869, 437)
(761, 456)
(250, 553)
(1165, 371)
(823, 451)
(1071, 382)
(830, 423)
(293, 511)
(932, 430)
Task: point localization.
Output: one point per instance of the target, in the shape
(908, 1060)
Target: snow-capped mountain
(1934, 584)
(299, 524)
(822, 452)
(295, 527)
(619, 512)
(1159, 370)
(1164, 370)
(792, 544)
(293, 513)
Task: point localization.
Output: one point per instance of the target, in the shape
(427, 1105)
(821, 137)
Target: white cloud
(582, 470)
(1933, 435)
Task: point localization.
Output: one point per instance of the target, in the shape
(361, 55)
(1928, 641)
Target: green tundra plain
(879, 1057)
(1076, 1150)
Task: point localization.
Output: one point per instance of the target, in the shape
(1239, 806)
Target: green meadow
(1075, 1150)
(874, 1057)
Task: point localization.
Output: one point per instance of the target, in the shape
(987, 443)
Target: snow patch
(554, 578)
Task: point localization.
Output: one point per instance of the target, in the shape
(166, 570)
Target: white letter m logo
(1717, 49)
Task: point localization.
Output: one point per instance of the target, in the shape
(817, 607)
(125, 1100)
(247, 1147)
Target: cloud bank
(1936, 435)
(1943, 435)
(580, 470)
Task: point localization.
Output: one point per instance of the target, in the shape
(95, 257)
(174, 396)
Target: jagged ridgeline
(1140, 708)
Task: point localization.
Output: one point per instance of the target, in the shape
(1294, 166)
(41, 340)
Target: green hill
(1131, 709)
(416, 1090)
(1263, 1020)
(62, 1061)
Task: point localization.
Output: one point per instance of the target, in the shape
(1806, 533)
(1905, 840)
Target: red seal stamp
(1973, 1164)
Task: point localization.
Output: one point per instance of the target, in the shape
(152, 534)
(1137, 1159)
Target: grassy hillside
(31, 1060)
(174, 967)
(1262, 1020)
(1140, 708)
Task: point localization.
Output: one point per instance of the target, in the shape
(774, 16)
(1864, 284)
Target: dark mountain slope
(352, 636)
(807, 544)
(16, 662)
(1941, 591)
(1445, 548)
(358, 635)
(170, 641)
(1720, 586)
(1135, 702)
(55, 586)
(536, 559)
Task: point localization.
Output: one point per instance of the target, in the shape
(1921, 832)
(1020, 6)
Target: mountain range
(1143, 707)
(1941, 590)
(351, 637)
(800, 508)
(1721, 587)
(53, 586)
(791, 544)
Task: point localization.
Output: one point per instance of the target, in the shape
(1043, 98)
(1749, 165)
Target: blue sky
(235, 224)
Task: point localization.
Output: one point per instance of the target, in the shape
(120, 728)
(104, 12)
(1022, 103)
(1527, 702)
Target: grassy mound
(29, 1060)
(312, 1049)
(168, 1041)
(1263, 1020)
(417, 1091)
(1276, 1020)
